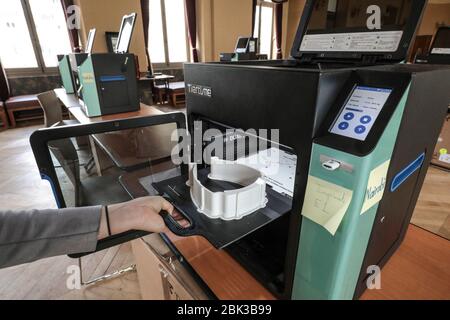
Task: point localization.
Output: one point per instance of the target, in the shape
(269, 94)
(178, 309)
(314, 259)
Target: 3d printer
(106, 83)
(440, 48)
(357, 131)
(246, 49)
(68, 65)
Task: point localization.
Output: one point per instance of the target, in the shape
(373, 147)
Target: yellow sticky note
(88, 77)
(375, 186)
(326, 203)
(443, 152)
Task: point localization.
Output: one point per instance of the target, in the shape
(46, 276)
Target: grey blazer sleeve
(32, 235)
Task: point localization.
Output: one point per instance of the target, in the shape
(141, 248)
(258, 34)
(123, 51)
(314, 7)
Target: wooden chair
(175, 93)
(23, 108)
(52, 108)
(3, 117)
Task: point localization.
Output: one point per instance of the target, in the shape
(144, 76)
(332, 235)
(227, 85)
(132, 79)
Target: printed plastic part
(229, 205)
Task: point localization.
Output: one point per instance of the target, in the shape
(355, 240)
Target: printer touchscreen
(360, 112)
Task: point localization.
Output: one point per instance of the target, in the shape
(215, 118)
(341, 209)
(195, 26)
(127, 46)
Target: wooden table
(165, 78)
(75, 109)
(420, 269)
(130, 149)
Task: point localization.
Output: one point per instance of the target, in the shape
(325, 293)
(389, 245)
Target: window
(35, 32)
(168, 40)
(264, 27)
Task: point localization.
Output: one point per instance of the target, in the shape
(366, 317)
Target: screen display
(241, 46)
(125, 35)
(442, 42)
(90, 41)
(356, 25)
(360, 112)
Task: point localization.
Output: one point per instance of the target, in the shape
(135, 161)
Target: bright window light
(176, 30)
(167, 32)
(16, 50)
(156, 36)
(266, 30)
(51, 29)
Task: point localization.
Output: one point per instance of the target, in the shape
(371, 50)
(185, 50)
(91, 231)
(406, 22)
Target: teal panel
(66, 74)
(89, 90)
(328, 266)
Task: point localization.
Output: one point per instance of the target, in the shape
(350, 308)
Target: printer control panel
(362, 111)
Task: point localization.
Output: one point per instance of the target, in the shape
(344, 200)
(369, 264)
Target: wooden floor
(433, 209)
(419, 270)
(22, 188)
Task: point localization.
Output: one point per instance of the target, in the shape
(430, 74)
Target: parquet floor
(22, 188)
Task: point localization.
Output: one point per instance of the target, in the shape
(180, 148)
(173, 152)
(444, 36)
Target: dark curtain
(255, 5)
(279, 28)
(145, 7)
(73, 33)
(4, 85)
(191, 18)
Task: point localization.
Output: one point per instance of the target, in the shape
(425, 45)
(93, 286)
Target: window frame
(41, 69)
(167, 64)
(260, 4)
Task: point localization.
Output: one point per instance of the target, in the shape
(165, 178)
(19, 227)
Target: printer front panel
(347, 180)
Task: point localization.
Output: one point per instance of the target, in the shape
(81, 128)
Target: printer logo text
(199, 90)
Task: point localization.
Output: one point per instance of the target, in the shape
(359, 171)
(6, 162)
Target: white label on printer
(440, 51)
(385, 41)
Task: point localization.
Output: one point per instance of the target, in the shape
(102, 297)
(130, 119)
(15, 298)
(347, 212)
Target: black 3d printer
(106, 83)
(246, 49)
(357, 133)
(440, 48)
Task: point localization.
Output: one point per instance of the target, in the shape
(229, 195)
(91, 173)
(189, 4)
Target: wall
(221, 22)
(295, 10)
(106, 15)
(434, 14)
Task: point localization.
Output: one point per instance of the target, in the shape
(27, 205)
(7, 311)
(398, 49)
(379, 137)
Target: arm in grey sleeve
(32, 235)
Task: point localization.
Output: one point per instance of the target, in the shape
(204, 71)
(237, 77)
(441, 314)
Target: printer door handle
(176, 228)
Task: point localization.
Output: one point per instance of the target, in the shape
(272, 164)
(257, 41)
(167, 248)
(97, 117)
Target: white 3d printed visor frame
(229, 205)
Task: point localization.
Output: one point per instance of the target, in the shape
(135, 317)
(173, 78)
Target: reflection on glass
(16, 50)
(51, 29)
(333, 15)
(89, 169)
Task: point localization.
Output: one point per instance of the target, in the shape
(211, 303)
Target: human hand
(140, 214)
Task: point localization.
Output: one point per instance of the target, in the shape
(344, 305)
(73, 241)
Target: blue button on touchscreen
(360, 112)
